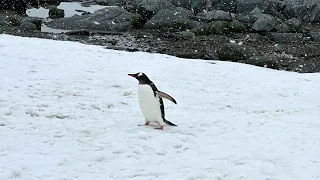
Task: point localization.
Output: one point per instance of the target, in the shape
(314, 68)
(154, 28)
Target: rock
(264, 23)
(256, 10)
(294, 8)
(106, 19)
(28, 26)
(182, 3)
(315, 36)
(217, 27)
(56, 13)
(187, 35)
(178, 18)
(10, 18)
(78, 33)
(224, 5)
(286, 37)
(17, 6)
(282, 28)
(147, 8)
(50, 2)
(237, 27)
(249, 19)
(246, 6)
(267, 61)
(14, 20)
(194, 5)
(34, 20)
(214, 16)
(108, 2)
(273, 7)
(294, 25)
(138, 21)
(235, 52)
(314, 14)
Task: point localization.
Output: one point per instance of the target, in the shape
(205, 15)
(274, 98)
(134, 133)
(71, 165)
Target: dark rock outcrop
(178, 18)
(28, 26)
(194, 5)
(106, 19)
(224, 5)
(148, 8)
(56, 13)
(214, 15)
(216, 27)
(264, 23)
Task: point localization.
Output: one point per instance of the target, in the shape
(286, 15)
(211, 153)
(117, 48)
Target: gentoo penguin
(150, 100)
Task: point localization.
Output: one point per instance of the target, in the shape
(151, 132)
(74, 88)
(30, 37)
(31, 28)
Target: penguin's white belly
(149, 104)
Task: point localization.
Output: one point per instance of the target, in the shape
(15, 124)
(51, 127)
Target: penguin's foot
(146, 124)
(159, 128)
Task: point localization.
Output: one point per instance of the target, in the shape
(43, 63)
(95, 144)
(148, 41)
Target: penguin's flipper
(167, 96)
(169, 123)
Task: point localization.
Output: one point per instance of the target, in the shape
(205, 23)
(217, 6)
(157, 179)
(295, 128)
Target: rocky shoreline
(275, 34)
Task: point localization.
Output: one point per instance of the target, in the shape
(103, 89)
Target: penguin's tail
(169, 123)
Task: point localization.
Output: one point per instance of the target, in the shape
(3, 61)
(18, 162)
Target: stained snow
(70, 111)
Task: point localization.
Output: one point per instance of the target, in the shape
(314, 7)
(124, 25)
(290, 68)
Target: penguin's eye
(140, 74)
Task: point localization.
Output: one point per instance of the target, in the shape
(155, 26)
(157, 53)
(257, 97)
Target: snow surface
(70, 111)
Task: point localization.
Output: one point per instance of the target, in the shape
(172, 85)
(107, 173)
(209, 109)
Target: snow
(70, 111)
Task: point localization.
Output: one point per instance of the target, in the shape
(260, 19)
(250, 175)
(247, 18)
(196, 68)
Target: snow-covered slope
(70, 111)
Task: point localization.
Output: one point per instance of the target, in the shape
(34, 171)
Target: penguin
(150, 100)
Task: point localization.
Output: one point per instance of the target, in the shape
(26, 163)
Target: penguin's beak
(133, 75)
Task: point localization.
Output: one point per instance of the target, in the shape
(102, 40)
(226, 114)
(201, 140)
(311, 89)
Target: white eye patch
(140, 74)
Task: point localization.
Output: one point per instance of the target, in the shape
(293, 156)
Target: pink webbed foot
(159, 128)
(146, 124)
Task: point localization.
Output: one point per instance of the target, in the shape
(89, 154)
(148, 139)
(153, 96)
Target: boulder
(224, 5)
(34, 20)
(178, 18)
(50, 2)
(273, 7)
(237, 27)
(148, 8)
(246, 6)
(194, 5)
(217, 27)
(282, 28)
(187, 35)
(56, 13)
(10, 18)
(294, 8)
(109, 2)
(314, 14)
(214, 15)
(294, 25)
(235, 52)
(106, 19)
(250, 19)
(28, 26)
(315, 36)
(264, 23)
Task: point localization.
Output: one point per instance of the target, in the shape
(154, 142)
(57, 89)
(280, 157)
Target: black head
(141, 77)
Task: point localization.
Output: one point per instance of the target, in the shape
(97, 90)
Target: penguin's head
(141, 77)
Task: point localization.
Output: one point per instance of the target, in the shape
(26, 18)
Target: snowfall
(70, 111)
